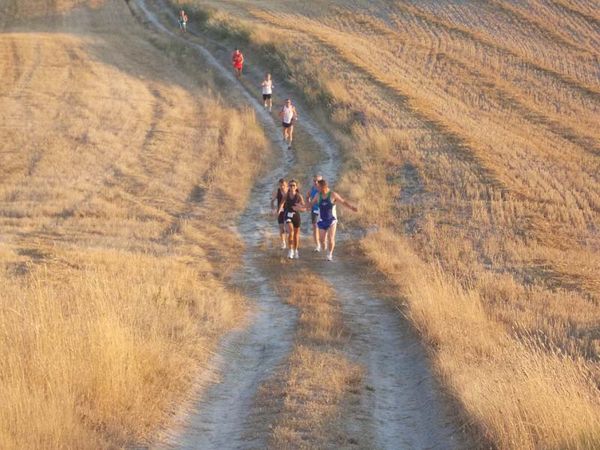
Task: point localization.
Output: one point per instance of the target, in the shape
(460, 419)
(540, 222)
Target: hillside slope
(112, 269)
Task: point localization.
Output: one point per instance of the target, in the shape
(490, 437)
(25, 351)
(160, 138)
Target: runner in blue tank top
(314, 213)
(327, 201)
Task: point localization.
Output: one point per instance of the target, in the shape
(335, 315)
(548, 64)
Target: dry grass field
(113, 267)
(470, 137)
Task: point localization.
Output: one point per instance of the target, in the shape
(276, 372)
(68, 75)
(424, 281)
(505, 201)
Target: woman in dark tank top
(278, 197)
(291, 207)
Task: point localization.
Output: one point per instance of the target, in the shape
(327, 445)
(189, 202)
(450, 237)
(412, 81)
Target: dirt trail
(401, 404)
(401, 395)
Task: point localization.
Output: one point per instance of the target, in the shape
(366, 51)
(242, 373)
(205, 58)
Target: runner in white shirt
(288, 116)
(267, 91)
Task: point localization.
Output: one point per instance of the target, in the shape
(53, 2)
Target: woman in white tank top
(288, 116)
(267, 91)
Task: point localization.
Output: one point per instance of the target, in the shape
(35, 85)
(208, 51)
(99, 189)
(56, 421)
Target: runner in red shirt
(237, 60)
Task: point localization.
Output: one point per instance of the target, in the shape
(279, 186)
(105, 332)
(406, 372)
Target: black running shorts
(286, 125)
(266, 96)
(293, 217)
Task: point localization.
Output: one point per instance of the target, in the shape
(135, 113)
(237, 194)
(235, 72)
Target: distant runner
(237, 59)
(288, 116)
(267, 91)
(278, 196)
(183, 20)
(327, 201)
(292, 205)
(314, 213)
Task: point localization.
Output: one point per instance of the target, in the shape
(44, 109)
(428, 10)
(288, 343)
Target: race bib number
(290, 215)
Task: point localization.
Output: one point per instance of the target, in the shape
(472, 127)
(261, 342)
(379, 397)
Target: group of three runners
(287, 114)
(321, 201)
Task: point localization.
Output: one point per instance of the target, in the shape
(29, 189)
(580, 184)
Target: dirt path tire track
(402, 402)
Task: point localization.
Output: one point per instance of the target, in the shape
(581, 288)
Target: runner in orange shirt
(237, 59)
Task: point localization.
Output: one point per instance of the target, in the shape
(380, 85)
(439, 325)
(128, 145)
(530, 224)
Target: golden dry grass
(470, 139)
(307, 401)
(96, 354)
(516, 393)
(113, 264)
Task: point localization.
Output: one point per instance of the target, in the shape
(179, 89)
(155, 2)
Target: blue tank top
(313, 193)
(326, 208)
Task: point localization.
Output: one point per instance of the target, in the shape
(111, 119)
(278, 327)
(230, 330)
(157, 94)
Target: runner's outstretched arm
(338, 198)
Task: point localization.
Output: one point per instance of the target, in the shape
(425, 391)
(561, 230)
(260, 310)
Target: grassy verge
(309, 399)
(109, 347)
(514, 394)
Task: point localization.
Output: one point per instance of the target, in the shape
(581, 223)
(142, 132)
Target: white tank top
(267, 87)
(288, 113)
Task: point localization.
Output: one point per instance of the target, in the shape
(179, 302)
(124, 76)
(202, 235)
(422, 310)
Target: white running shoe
(296, 255)
(318, 248)
(291, 254)
(283, 245)
(329, 256)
